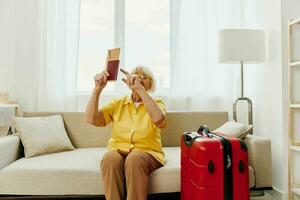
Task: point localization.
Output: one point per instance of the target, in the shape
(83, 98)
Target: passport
(112, 63)
(113, 68)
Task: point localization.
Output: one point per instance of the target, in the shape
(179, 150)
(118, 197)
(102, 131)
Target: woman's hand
(132, 81)
(101, 79)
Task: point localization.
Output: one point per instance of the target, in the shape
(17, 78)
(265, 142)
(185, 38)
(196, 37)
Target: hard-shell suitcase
(213, 167)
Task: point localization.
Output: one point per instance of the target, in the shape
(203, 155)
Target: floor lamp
(242, 46)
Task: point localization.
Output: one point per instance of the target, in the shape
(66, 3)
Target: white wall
(267, 85)
(264, 85)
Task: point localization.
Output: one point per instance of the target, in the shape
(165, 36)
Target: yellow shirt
(132, 128)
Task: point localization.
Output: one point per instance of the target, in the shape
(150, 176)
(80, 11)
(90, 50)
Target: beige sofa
(78, 172)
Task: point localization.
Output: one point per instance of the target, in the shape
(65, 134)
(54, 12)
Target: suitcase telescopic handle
(189, 138)
(204, 130)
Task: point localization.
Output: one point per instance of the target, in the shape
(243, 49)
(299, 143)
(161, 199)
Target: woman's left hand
(132, 81)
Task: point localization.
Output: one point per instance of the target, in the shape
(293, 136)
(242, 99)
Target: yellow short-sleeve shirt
(132, 128)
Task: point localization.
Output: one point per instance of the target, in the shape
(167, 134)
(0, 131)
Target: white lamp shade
(245, 45)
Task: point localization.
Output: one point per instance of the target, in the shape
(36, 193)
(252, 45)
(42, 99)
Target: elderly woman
(134, 149)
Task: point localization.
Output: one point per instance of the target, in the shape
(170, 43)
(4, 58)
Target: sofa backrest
(83, 134)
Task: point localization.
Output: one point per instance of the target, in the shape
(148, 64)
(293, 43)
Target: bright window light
(145, 38)
(95, 38)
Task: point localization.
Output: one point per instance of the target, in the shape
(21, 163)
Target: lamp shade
(236, 45)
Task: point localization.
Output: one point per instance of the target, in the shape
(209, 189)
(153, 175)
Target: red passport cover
(113, 68)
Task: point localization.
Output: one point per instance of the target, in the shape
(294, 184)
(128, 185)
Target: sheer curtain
(198, 81)
(59, 52)
(38, 53)
(19, 51)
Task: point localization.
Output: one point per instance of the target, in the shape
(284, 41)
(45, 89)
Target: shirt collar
(128, 100)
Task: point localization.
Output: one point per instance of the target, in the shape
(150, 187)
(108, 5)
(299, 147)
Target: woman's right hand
(101, 79)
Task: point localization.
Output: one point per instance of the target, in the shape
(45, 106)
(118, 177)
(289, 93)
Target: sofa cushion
(78, 172)
(234, 129)
(43, 135)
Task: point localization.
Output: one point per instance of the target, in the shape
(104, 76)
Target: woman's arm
(92, 114)
(156, 114)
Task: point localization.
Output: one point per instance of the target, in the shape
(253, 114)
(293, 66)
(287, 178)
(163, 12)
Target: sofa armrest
(259, 153)
(10, 150)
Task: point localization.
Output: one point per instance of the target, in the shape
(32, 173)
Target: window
(95, 37)
(147, 37)
(139, 27)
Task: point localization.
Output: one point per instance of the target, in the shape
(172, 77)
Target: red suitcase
(213, 167)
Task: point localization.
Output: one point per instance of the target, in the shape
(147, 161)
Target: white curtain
(38, 53)
(38, 64)
(198, 81)
(59, 47)
(19, 51)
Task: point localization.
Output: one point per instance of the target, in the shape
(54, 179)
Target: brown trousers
(127, 172)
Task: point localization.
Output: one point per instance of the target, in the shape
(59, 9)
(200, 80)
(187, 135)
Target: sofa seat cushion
(251, 177)
(77, 172)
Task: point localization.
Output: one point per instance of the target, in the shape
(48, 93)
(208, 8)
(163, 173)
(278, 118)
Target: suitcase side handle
(204, 130)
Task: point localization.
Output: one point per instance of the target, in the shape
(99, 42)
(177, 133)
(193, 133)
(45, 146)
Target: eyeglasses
(143, 77)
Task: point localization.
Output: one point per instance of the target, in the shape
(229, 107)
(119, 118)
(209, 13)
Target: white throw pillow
(42, 135)
(234, 129)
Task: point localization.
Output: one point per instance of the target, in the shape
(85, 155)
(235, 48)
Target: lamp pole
(242, 98)
(242, 46)
(242, 79)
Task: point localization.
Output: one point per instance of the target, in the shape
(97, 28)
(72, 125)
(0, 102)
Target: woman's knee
(136, 161)
(112, 159)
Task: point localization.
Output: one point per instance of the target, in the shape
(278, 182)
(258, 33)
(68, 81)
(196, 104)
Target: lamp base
(250, 113)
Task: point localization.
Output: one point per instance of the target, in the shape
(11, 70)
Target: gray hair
(146, 71)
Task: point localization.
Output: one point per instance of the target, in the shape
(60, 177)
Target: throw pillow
(234, 129)
(42, 135)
